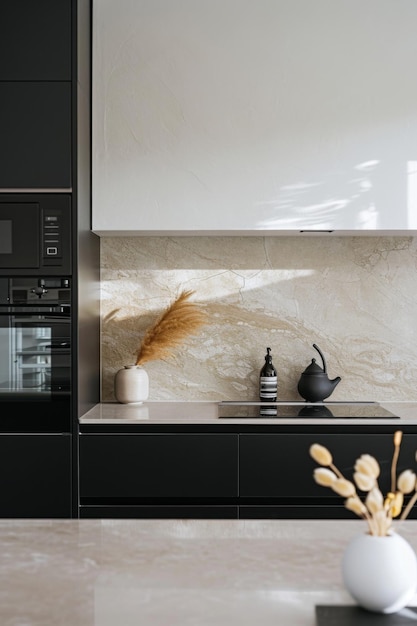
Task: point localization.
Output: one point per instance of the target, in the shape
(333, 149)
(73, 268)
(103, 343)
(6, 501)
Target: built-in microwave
(35, 234)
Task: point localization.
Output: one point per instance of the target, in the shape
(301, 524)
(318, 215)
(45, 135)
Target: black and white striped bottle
(268, 385)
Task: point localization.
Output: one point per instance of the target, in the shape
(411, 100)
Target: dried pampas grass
(181, 319)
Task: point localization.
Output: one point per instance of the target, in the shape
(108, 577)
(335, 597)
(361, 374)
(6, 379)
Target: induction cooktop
(341, 410)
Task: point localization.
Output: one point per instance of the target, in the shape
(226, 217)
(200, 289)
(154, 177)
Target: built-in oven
(35, 354)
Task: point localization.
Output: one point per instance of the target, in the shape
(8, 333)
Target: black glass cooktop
(341, 410)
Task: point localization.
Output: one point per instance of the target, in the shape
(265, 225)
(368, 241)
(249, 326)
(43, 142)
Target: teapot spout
(335, 382)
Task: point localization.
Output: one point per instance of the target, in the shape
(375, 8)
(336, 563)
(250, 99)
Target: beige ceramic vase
(131, 385)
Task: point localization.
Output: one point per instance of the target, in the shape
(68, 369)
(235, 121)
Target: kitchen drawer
(159, 512)
(279, 465)
(137, 466)
(296, 511)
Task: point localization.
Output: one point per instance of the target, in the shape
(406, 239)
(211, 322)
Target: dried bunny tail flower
(320, 454)
(398, 435)
(374, 501)
(381, 523)
(406, 481)
(344, 487)
(367, 464)
(364, 481)
(396, 504)
(324, 476)
(388, 499)
(355, 505)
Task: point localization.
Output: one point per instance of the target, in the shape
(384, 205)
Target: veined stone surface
(176, 572)
(355, 297)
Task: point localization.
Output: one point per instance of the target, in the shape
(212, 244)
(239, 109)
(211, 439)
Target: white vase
(131, 385)
(380, 573)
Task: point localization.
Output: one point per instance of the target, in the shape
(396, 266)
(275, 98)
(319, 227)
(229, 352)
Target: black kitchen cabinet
(36, 79)
(246, 471)
(35, 40)
(276, 471)
(35, 130)
(158, 475)
(36, 475)
(45, 130)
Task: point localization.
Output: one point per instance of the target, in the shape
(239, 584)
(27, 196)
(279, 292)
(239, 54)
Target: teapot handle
(322, 357)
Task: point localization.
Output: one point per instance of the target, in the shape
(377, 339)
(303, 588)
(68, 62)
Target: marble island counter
(174, 572)
(208, 413)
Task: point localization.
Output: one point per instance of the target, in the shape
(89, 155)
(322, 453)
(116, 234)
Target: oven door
(35, 370)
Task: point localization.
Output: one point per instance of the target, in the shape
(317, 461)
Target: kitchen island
(173, 572)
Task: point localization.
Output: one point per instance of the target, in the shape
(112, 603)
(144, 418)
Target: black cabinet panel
(35, 131)
(35, 40)
(35, 475)
(158, 466)
(295, 511)
(280, 466)
(247, 475)
(159, 512)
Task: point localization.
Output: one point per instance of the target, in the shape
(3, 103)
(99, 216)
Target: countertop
(174, 572)
(207, 413)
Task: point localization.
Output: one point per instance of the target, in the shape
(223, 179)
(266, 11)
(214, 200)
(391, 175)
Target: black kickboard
(352, 615)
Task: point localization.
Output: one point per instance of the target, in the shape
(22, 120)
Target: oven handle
(47, 315)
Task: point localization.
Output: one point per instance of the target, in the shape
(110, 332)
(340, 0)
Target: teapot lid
(313, 368)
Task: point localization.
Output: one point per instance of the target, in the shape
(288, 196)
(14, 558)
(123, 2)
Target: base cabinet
(35, 474)
(276, 472)
(158, 475)
(248, 475)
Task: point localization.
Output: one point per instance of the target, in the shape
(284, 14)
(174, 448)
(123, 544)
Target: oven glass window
(35, 356)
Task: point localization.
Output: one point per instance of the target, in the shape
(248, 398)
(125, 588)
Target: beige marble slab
(355, 297)
(173, 572)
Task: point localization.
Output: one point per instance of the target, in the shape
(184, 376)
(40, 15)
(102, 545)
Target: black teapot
(314, 384)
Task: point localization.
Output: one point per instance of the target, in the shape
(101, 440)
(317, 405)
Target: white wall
(240, 116)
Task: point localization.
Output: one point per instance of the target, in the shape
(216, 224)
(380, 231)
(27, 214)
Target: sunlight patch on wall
(216, 284)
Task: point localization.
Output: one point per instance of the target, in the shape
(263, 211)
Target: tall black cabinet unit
(36, 80)
(45, 147)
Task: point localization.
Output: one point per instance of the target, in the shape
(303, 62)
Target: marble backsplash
(355, 297)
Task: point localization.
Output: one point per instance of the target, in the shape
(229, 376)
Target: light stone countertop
(207, 413)
(173, 572)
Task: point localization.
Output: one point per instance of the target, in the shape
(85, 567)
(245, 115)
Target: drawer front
(158, 466)
(280, 466)
(159, 512)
